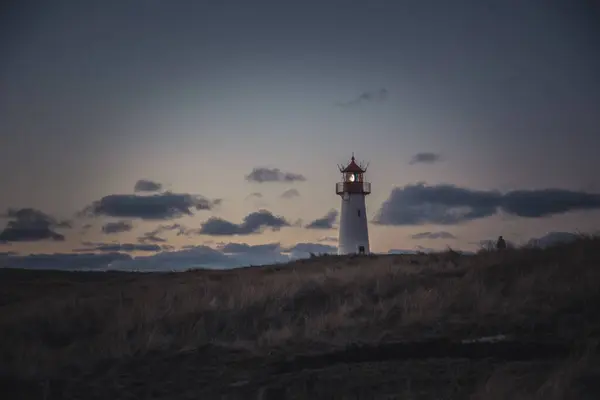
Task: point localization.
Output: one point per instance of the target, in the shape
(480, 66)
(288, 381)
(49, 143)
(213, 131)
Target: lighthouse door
(361, 249)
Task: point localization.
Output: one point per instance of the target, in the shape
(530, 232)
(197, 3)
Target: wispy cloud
(257, 195)
(328, 239)
(290, 193)
(433, 235)
(117, 227)
(377, 96)
(425, 158)
(144, 185)
(262, 175)
(153, 236)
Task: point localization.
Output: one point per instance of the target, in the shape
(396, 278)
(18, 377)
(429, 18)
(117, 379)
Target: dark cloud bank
(445, 204)
(161, 206)
(116, 247)
(64, 261)
(110, 256)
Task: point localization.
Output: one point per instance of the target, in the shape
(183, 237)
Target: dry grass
(53, 323)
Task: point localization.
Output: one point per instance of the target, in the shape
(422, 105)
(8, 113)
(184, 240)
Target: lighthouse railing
(353, 187)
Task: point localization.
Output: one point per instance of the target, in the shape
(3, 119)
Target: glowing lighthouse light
(353, 233)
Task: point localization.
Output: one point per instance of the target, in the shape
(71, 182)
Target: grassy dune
(63, 333)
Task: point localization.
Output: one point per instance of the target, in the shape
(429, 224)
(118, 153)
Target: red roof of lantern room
(353, 167)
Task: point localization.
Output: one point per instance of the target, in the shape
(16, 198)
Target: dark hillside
(517, 324)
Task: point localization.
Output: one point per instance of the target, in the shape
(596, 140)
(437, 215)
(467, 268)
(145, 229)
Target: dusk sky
(191, 127)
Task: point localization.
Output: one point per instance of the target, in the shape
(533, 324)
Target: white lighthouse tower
(353, 234)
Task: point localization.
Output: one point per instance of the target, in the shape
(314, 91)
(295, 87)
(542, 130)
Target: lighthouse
(353, 233)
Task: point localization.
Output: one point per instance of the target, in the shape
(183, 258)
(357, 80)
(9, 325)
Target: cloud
(259, 254)
(262, 175)
(150, 237)
(153, 237)
(422, 249)
(325, 222)
(433, 235)
(117, 227)
(552, 238)
(171, 227)
(64, 261)
(253, 223)
(153, 207)
(301, 250)
(229, 255)
(328, 239)
(425, 158)
(257, 199)
(445, 204)
(237, 248)
(29, 224)
(144, 185)
(377, 96)
(544, 202)
(290, 193)
(192, 257)
(117, 247)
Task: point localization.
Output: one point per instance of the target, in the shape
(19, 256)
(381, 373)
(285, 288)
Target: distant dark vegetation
(55, 325)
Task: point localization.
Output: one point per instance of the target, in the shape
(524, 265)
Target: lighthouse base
(354, 232)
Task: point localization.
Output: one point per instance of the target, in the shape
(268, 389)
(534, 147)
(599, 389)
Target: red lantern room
(353, 179)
